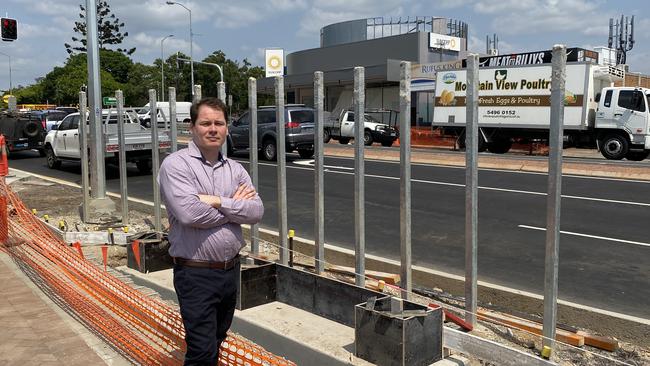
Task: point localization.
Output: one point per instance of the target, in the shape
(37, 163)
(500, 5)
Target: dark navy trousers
(207, 298)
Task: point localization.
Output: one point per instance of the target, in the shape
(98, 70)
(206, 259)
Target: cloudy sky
(243, 28)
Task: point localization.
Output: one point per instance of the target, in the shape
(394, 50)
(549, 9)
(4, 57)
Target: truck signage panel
(516, 95)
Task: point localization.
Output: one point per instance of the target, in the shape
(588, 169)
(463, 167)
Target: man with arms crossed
(207, 198)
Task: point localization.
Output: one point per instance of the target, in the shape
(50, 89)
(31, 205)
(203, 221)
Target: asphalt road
(604, 249)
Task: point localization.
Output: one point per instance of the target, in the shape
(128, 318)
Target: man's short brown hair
(212, 102)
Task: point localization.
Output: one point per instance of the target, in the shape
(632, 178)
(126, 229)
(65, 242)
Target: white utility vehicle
(341, 127)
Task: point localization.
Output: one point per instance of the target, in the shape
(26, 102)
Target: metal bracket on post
(554, 198)
(471, 188)
(359, 177)
(197, 93)
(405, 177)
(319, 186)
(155, 162)
(253, 167)
(173, 127)
(83, 145)
(122, 157)
(281, 170)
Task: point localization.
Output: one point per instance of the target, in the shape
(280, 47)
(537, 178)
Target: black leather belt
(207, 264)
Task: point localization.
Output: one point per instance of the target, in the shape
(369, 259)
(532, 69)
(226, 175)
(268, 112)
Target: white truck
(514, 102)
(62, 143)
(341, 127)
(182, 113)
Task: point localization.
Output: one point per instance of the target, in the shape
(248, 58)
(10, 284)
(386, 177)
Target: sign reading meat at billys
(536, 58)
(512, 95)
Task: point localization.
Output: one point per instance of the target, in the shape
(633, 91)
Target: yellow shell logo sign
(452, 43)
(274, 62)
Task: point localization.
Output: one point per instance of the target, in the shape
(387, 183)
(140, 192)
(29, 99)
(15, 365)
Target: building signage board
(274, 62)
(441, 41)
(535, 58)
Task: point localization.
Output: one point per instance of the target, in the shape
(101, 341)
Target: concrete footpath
(36, 331)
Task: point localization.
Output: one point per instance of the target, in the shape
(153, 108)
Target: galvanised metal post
(405, 178)
(252, 156)
(97, 170)
(281, 170)
(319, 186)
(221, 94)
(359, 98)
(471, 188)
(554, 198)
(83, 146)
(122, 157)
(197, 93)
(173, 132)
(155, 162)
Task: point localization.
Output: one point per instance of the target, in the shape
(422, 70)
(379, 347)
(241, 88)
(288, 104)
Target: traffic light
(9, 29)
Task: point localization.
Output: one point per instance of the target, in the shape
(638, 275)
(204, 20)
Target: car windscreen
(143, 110)
(56, 116)
(301, 116)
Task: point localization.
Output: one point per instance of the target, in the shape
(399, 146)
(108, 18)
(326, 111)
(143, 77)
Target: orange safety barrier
(145, 330)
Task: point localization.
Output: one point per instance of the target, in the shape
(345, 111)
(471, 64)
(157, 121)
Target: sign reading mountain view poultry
(513, 95)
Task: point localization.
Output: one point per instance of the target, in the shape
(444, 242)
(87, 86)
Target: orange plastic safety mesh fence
(145, 330)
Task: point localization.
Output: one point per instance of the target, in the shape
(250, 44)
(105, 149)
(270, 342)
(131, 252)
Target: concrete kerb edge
(621, 326)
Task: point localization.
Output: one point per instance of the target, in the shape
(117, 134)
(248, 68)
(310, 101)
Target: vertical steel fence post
(197, 93)
(83, 145)
(124, 196)
(253, 167)
(319, 187)
(281, 170)
(155, 160)
(173, 127)
(221, 94)
(471, 188)
(558, 79)
(359, 177)
(405, 177)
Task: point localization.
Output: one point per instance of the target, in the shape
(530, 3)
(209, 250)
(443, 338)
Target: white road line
(307, 163)
(589, 236)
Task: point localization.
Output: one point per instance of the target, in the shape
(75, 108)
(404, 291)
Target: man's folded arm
(182, 199)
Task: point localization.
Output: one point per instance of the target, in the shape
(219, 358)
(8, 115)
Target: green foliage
(118, 71)
(108, 30)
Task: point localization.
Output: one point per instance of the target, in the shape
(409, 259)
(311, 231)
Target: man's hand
(214, 201)
(244, 193)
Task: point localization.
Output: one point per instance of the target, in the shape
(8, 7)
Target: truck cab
(623, 123)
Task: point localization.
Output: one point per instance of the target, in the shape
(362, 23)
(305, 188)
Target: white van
(182, 113)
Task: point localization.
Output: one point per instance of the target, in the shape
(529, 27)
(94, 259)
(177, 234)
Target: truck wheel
(500, 145)
(269, 150)
(637, 155)
(326, 136)
(144, 166)
(367, 138)
(306, 153)
(52, 161)
(387, 143)
(482, 145)
(614, 147)
(344, 140)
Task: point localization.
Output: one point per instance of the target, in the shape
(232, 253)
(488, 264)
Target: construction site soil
(61, 202)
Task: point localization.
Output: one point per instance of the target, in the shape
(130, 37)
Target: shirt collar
(196, 153)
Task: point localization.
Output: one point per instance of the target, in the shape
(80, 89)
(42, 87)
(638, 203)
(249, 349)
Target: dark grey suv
(299, 131)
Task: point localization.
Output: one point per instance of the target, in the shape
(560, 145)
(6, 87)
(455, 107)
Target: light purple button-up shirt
(197, 230)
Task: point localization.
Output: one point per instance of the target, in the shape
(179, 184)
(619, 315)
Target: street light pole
(162, 68)
(191, 45)
(11, 88)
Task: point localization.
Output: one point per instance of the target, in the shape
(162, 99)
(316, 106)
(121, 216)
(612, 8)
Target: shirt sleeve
(243, 211)
(181, 196)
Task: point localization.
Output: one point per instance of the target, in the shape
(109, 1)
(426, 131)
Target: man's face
(210, 129)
